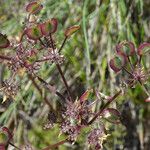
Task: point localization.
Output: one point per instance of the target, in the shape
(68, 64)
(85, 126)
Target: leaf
(34, 32)
(4, 42)
(34, 7)
(85, 95)
(143, 48)
(49, 26)
(5, 135)
(117, 62)
(71, 30)
(55, 24)
(112, 115)
(126, 47)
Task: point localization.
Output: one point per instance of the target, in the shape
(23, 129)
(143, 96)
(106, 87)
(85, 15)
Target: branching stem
(108, 103)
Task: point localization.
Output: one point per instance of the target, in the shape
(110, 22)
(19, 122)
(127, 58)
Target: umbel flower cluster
(128, 59)
(36, 46)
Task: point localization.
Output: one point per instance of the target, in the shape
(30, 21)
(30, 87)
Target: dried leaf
(4, 98)
(4, 42)
(85, 95)
(71, 30)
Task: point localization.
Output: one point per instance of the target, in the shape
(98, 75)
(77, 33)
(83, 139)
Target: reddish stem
(50, 147)
(64, 80)
(63, 44)
(40, 91)
(5, 57)
(108, 103)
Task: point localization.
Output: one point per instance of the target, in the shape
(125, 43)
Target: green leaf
(34, 32)
(34, 7)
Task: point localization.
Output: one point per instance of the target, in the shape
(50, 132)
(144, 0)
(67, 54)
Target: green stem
(87, 49)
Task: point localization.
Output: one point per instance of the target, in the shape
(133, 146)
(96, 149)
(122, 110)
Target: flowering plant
(37, 45)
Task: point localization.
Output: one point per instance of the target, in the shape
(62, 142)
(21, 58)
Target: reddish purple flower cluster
(96, 137)
(128, 59)
(75, 117)
(35, 46)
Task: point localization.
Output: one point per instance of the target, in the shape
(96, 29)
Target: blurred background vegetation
(103, 23)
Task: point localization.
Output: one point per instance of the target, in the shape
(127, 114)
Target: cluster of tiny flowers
(96, 137)
(138, 74)
(35, 45)
(128, 59)
(54, 56)
(24, 59)
(75, 118)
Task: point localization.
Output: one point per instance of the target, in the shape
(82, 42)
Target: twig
(64, 80)
(57, 93)
(63, 44)
(42, 42)
(108, 103)
(50, 147)
(14, 145)
(40, 91)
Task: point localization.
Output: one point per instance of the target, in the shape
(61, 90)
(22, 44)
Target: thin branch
(65, 82)
(63, 44)
(42, 42)
(144, 88)
(50, 147)
(14, 145)
(57, 93)
(108, 103)
(127, 71)
(40, 91)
